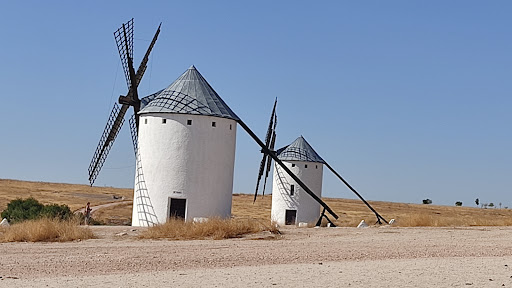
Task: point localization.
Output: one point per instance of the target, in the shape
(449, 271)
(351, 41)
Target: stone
(200, 219)
(362, 224)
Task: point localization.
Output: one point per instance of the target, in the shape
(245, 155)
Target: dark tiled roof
(299, 150)
(189, 94)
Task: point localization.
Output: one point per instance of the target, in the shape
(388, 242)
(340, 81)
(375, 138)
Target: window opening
(230, 128)
(305, 165)
(214, 124)
(145, 121)
(189, 122)
(293, 165)
(292, 190)
(164, 121)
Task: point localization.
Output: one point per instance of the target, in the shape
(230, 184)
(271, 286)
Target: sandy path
(335, 257)
(98, 207)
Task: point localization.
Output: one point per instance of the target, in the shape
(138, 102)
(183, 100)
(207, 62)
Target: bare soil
(304, 257)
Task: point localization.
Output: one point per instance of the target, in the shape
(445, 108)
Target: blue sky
(406, 99)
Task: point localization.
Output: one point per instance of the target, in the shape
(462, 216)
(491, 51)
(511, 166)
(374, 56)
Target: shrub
(19, 210)
(427, 201)
(61, 212)
(458, 203)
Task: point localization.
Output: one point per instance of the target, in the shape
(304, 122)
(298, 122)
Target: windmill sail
(114, 124)
(269, 159)
(124, 42)
(267, 145)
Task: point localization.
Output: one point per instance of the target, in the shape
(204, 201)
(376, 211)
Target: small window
(189, 122)
(316, 166)
(145, 121)
(305, 165)
(292, 190)
(293, 165)
(214, 124)
(164, 121)
(230, 127)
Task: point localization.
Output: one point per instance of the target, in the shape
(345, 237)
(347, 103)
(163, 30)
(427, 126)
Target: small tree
(477, 201)
(427, 201)
(458, 203)
(491, 204)
(500, 205)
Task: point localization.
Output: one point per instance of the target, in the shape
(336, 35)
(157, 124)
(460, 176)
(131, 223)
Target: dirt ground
(302, 257)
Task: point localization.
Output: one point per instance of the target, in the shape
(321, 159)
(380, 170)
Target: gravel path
(306, 257)
(98, 207)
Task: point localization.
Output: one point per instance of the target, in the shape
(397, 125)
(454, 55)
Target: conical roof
(189, 94)
(299, 150)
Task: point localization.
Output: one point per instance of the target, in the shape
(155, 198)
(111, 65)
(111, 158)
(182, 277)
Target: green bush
(27, 209)
(56, 211)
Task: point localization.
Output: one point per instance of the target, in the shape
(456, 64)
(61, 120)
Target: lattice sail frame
(109, 135)
(133, 132)
(124, 42)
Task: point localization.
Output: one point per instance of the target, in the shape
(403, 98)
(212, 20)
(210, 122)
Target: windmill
(298, 156)
(124, 40)
(269, 154)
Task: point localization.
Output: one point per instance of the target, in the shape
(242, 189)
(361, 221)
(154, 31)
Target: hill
(350, 211)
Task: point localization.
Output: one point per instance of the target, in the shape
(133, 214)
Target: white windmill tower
(186, 153)
(291, 205)
(297, 181)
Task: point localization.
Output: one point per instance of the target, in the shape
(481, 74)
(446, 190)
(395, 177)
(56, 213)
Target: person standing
(87, 213)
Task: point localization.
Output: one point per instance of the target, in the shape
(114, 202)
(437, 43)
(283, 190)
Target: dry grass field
(73, 195)
(45, 230)
(212, 229)
(350, 211)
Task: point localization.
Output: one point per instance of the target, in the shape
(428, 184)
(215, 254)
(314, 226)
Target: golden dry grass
(73, 195)
(350, 211)
(116, 215)
(44, 230)
(214, 228)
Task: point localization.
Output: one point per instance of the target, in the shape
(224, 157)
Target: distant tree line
(477, 202)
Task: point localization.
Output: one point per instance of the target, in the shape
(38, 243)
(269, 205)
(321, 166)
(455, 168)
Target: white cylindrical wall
(188, 157)
(308, 209)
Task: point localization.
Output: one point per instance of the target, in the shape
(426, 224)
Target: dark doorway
(177, 208)
(290, 217)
